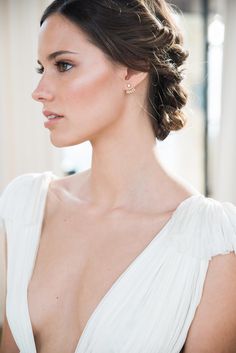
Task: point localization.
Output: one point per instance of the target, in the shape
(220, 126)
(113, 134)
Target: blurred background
(203, 153)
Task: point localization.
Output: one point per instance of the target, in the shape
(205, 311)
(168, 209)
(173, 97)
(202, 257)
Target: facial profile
(112, 45)
(78, 82)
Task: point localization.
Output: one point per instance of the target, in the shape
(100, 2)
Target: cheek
(95, 94)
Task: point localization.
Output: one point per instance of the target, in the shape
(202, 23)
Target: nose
(42, 93)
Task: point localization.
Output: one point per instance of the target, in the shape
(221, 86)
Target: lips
(48, 114)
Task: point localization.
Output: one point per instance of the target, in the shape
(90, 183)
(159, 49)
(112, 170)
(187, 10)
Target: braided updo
(142, 35)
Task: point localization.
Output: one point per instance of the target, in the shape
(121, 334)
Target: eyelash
(58, 64)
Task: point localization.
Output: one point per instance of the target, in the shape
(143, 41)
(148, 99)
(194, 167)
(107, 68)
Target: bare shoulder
(74, 190)
(214, 326)
(69, 182)
(64, 190)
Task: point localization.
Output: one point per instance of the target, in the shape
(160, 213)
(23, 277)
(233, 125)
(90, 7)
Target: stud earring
(130, 89)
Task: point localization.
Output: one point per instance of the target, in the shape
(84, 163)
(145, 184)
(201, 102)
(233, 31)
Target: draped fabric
(150, 307)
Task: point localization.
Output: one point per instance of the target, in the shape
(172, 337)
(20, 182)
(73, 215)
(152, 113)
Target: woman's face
(82, 86)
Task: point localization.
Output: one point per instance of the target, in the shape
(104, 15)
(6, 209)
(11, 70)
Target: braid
(166, 94)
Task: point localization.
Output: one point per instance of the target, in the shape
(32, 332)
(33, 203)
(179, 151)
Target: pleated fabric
(150, 307)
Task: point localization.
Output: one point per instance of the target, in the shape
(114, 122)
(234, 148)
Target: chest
(78, 261)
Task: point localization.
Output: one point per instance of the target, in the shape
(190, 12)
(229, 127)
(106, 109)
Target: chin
(62, 142)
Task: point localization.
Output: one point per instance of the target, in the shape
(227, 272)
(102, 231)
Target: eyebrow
(57, 53)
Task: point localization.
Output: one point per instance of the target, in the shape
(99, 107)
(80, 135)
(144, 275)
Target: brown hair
(142, 35)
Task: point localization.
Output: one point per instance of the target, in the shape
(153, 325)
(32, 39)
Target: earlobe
(130, 89)
(135, 76)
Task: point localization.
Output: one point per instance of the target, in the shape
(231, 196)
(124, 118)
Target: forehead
(58, 33)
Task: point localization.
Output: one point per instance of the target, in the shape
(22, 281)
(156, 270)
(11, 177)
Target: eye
(39, 70)
(63, 66)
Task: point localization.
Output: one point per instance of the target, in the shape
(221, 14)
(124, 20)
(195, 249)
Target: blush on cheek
(95, 91)
(88, 85)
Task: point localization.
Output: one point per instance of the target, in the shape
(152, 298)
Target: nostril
(35, 95)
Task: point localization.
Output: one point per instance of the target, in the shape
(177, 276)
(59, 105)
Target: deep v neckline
(49, 176)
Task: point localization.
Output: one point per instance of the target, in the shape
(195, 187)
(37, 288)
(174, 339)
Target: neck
(126, 172)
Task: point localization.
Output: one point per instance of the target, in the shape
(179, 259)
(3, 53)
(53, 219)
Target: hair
(142, 35)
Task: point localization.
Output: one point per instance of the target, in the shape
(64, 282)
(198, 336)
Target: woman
(123, 257)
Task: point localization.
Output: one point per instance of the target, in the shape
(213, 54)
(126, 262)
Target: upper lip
(48, 113)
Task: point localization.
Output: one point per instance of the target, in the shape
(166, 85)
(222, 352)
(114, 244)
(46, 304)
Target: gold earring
(130, 89)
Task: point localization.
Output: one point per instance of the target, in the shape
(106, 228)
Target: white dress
(150, 307)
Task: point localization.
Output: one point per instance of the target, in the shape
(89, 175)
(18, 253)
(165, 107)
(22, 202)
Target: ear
(134, 77)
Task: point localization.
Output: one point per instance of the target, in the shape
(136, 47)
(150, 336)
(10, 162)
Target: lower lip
(52, 122)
